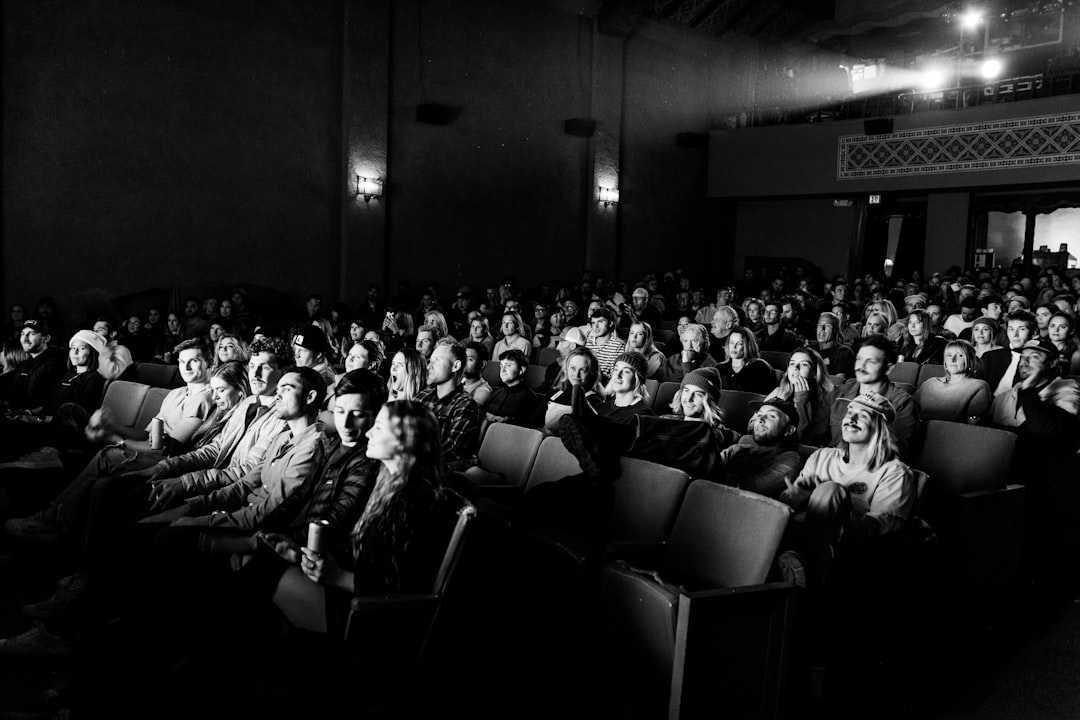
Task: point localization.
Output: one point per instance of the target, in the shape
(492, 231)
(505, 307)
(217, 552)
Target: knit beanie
(90, 338)
(636, 361)
(708, 379)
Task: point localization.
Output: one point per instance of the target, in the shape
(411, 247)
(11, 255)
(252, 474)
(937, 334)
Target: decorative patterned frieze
(1016, 143)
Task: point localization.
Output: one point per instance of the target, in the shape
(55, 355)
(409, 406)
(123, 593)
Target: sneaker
(43, 459)
(577, 441)
(43, 526)
(35, 642)
(792, 569)
(70, 590)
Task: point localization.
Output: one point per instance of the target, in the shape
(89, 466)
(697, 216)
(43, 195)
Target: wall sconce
(608, 196)
(369, 187)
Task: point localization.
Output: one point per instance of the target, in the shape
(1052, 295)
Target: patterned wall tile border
(1016, 143)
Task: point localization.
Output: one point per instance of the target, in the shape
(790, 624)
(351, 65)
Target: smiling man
(514, 401)
(241, 445)
(765, 460)
(873, 359)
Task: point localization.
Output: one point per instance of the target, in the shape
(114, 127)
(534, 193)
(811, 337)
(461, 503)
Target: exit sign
(875, 199)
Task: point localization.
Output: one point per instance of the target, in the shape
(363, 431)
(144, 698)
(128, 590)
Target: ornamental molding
(1006, 144)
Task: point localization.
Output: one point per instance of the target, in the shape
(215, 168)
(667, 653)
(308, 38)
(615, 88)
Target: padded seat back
(777, 359)
(124, 399)
(723, 537)
(905, 372)
(491, 373)
(534, 376)
(158, 375)
(661, 404)
(929, 371)
(647, 500)
(735, 403)
(509, 450)
(553, 461)
(151, 405)
(546, 356)
(662, 336)
(964, 458)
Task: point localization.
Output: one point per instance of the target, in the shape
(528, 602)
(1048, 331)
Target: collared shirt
(268, 497)
(459, 419)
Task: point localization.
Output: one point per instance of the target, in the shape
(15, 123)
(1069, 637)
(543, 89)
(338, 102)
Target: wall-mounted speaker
(877, 126)
(580, 127)
(435, 114)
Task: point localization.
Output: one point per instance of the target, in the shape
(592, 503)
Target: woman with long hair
(806, 385)
(408, 373)
(744, 369)
(231, 347)
(172, 336)
(436, 319)
(626, 392)
(1061, 329)
(919, 345)
(12, 356)
(958, 396)
(875, 324)
(387, 540)
(514, 337)
(895, 328)
(640, 340)
(229, 386)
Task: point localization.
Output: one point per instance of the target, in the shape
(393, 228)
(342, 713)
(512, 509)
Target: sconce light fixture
(608, 196)
(369, 187)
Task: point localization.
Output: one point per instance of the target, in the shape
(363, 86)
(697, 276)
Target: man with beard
(29, 385)
(766, 460)
(459, 417)
(472, 377)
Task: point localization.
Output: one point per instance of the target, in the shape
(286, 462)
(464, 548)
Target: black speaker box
(877, 126)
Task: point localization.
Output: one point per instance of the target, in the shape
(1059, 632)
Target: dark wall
(178, 144)
(194, 145)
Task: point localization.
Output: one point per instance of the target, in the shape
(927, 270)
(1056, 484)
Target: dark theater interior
(540, 359)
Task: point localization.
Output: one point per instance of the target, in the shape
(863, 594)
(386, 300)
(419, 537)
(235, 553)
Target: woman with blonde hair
(958, 396)
(640, 340)
(231, 347)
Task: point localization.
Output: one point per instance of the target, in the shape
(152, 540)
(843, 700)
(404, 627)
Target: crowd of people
(363, 416)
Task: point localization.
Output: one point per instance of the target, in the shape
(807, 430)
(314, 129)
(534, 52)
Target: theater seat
(905, 372)
(505, 460)
(777, 359)
(665, 393)
(124, 399)
(158, 375)
(722, 538)
(387, 636)
(977, 514)
(735, 404)
(929, 371)
(150, 406)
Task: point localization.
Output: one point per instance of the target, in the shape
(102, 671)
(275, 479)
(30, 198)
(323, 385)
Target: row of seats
(133, 404)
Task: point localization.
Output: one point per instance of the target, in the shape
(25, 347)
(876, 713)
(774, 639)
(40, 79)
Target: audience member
(807, 387)
(766, 460)
(459, 417)
(744, 369)
(959, 396)
(773, 335)
(513, 401)
(874, 357)
(626, 392)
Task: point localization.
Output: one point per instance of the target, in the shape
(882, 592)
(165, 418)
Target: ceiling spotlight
(970, 19)
(991, 69)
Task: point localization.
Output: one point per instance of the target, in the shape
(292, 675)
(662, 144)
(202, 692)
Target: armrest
(726, 596)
